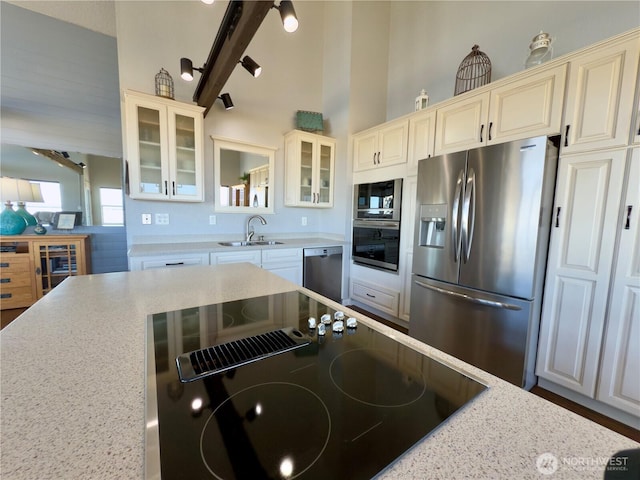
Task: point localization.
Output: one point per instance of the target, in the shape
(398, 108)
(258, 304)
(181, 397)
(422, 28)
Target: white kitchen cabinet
(600, 97)
(237, 256)
(309, 170)
(382, 146)
(461, 125)
(164, 142)
(407, 235)
(168, 261)
(422, 130)
(619, 384)
(381, 298)
(285, 262)
(635, 126)
(527, 107)
(581, 252)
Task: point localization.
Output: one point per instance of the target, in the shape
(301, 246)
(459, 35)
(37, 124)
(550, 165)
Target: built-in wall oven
(376, 224)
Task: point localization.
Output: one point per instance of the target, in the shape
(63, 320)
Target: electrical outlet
(162, 219)
(212, 219)
(146, 219)
(304, 221)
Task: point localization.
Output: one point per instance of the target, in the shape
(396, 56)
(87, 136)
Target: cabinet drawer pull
(166, 191)
(369, 295)
(566, 136)
(627, 224)
(5, 295)
(4, 265)
(490, 125)
(481, 131)
(5, 280)
(173, 187)
(558, 217)
(174, 264)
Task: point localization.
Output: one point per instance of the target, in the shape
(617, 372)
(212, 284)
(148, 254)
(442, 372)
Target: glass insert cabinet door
(164, 148)
(150, 150)
(309, 169)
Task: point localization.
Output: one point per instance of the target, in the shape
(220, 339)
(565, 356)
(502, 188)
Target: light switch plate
(304, 221)
(212, 219)
(162, 219)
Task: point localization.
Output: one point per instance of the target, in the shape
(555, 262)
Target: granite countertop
(185, 247)
(73, 387)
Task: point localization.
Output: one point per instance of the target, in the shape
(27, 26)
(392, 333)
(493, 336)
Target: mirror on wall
(69, 182)
(243, 177)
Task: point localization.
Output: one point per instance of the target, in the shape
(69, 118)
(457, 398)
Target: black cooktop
(343, 406)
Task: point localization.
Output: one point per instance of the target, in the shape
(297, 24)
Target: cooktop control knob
(338, 315)
(312, 322)
(326, 319)
(322, 329)
(338, 326)
(352, 322)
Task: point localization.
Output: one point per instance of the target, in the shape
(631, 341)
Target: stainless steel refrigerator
(482, 229)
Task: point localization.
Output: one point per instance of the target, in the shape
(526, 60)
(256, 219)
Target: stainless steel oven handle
(376, 224)
(469, 298)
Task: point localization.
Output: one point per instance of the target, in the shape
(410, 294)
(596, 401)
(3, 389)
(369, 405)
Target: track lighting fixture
(288, 15)
(226, 100)
(251, 66)
(186, 69)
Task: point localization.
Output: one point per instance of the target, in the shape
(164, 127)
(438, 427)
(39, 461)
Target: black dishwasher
(322, 271)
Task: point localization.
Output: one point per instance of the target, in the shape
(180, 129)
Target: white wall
(429, 40)
(59, 85)
(265, 107)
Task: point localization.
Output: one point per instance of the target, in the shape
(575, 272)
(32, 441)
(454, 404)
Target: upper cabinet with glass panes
(164, 143)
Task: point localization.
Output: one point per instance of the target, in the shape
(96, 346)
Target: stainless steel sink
(249, 244)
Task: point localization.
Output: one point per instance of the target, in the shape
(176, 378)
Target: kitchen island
(73, 388)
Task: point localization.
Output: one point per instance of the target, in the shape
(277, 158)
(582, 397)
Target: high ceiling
(96, 15)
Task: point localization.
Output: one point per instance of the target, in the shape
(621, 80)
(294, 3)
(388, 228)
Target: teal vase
(10, 222)
(30, 219)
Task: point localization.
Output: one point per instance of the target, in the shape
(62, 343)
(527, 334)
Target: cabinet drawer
(10, 279)
(282, 255)
(16, 296)
(251, 256)
(168, 261)
(10, 263)
(382, 299)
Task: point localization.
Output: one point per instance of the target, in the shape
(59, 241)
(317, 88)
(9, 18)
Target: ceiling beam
(240, 23)
(60, 159)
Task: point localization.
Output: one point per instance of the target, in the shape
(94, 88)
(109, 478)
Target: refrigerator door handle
(469, 298)
(468, 214)
(455, 238)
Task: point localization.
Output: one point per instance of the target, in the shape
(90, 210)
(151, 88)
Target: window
(111, 206)
(51, 196)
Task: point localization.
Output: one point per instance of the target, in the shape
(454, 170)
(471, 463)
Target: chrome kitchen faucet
(249, 233)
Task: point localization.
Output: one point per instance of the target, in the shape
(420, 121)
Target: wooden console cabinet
(32, 265)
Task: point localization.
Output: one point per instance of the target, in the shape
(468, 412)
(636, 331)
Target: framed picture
(66, 221)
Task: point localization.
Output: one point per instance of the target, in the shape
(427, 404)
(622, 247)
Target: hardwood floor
(600, 419)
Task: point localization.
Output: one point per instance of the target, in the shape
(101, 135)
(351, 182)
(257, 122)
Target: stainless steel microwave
(378, 200)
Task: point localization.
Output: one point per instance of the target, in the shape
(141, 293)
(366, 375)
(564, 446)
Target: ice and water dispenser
(433, 219)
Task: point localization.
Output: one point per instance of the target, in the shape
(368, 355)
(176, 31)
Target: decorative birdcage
(474, 71)
(164, 84)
